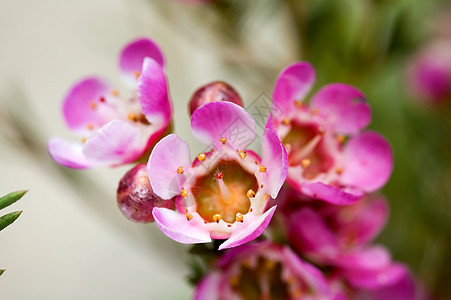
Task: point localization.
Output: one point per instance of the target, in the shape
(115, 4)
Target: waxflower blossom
(223, 194)
(329, 157)
(135, 197)
(114, 130)
(263, 270)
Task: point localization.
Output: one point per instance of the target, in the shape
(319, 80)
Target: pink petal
(178, 228)
(344, 106)
(216, 120)
(308, 232)
(274, 158)
(68, 154)
(403, 289)
(167, 156)
(248, 231)
(115, 143)
(330, 194)
(376, 279)
(153, 93)
(133, 54)
(77, 105)
(373, 258)
(209, 287)
(292, 84)
(369, 161)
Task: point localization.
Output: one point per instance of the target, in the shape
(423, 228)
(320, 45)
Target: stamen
(223, 140)
(92, 105)
(219, 175)
(136, 74)
(341, 138)
(90, 126)
(217, 218)
(339, 170)
(307, 149)
(225, 193)
(83, 140)
(132, 117)
(180, 170)
(242, 154)
(250, 193)
(250, 209)
(262, 169)
(228, 225)
(265, 197)
(305, 162)
(189, 216)
(315, 111)
(321, 131)
(270, 264)
(184, 193)
(239, 218)
(114, 93)
(102, 99)
(286, 121)
(298, 103)
(201, 156)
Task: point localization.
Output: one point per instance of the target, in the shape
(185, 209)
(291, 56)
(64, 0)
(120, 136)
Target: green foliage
(11, 198)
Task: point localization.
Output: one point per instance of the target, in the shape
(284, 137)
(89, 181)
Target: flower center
(305, 146)
(222, 194)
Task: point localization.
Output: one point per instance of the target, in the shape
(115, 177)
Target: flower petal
(379, 278)
(369, 161)
(274, 158)
(68, 153)
(178, 228)
(153, 93)
(292, 84)
(248, 231)
(372, 258)
(216, 120)
(167, 156)
(329, 193)
(209, 287)
(133, 54)
(117, 142)
(344, 106)
(403, 289)
(78, 104)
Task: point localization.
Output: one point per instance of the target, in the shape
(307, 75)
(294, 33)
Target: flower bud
(212, 92)
(135, 197)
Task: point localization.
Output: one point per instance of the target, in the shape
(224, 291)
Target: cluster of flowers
(315, 180)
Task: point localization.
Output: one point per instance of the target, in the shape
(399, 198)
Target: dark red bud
(212, 92)
(135, 197)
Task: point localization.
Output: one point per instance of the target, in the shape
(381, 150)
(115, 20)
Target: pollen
(298, 103)
(217, 218)
(250, 193)
(339, 171)
(184, 193)
(90, 126)
(305, 162)
(239, 218)
(262, 169)
(92, 105)
(132, 117)
(242, 154)
(266, 197)
(136, 74)
(201, 156)
(315, 111)
(83, 140)
(180, 170)
(223, 140)
(286, 121)
(189, 216)
(341, 138)
(114, 93)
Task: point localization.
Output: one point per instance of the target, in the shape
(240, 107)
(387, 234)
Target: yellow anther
(90, 126)
(132, 117)
(265, 197)
(242, 154)
(262, 169)
(270, 264)
(305, 162)
(223, 140)
(341, 138)
(189, 216)
(184, 193)
(201, 156)
(250, 193)
(114, 93)
(286, 121)
(217, 218)
(180, 170)
(93, 105)
(339, 170)
(315, 111)
(83, 140)
(298, 103)
(239, 218)
(136, 74)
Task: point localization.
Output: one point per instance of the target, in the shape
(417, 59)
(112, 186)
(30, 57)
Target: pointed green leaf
(1, 271)
(8, 219)
(11, 198)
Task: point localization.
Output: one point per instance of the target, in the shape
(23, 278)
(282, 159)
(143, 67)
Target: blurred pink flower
(329, 157)
(113, 130)
(223, 194)
(263, 270)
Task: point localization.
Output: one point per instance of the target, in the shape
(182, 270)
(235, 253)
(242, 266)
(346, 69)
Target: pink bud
(135, 197)
(212, 92)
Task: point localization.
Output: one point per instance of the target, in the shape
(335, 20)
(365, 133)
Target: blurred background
(72, 242)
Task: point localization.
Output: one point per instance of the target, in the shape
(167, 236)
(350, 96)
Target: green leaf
(1, 271)
(11, 198)
(8, 219)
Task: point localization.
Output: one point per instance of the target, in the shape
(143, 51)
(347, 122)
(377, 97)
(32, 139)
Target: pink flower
(329, 158)
(429, 73)
(263, 270)
(223, 194)
(115, 130)
(339, 236)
